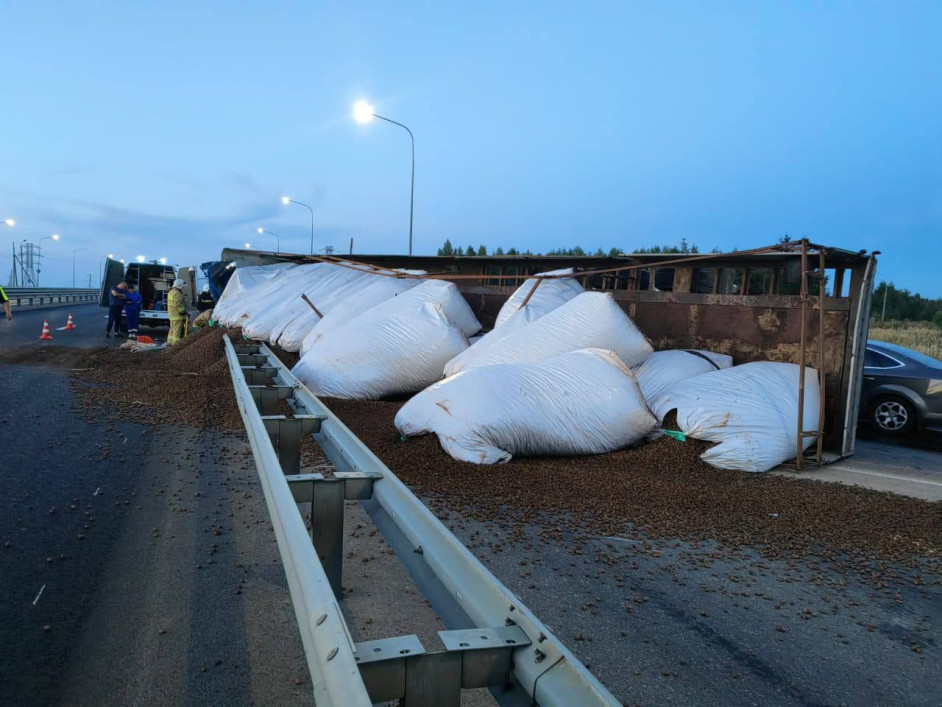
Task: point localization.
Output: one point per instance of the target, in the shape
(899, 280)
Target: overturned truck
(763, 304)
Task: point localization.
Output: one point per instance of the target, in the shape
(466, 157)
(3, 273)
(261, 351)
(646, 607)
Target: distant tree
(902, 304)
(470, 250)
(512, 251)
(446, 248)
(614, 252)
(694, 249)
(499, 251)
(482, 250)
(784, 240)
(599, 253)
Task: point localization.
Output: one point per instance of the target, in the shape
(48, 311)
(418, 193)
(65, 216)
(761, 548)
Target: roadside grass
(919, 336)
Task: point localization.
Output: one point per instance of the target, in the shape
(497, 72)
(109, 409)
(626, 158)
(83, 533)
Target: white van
(153, 281)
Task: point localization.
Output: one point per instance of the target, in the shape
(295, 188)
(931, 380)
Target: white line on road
(39, 595)
(97, 491)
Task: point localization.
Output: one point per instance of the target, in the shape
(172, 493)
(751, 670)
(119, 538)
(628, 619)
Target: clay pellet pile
(662, 488)
(187, 384)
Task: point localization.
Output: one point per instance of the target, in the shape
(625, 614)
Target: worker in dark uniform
(205, 300)
(6, 303)
(116, 304)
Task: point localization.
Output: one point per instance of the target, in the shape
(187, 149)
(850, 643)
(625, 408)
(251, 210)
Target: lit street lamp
(9, 222)
(363, 113)
(248, 245)
(163, 261)
(286, 200)
(277, 239)
(77, 250)
(140, 258)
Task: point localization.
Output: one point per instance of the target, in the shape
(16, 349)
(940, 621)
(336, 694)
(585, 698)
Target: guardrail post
(285, 434)
(327, 529)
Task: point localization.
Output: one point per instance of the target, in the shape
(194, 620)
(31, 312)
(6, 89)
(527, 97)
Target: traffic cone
(45, 335)
(69, 325)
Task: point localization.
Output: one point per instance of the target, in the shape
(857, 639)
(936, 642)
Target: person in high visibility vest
(177, 312)
(6, 303)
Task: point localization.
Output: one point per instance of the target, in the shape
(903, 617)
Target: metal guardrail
(21, 297)
(493, 640)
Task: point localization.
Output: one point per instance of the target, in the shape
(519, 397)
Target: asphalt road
(89, 320)
(136, 565)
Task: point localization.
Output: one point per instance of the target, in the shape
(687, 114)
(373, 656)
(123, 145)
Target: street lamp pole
(261, 230)
(55, 237)
(363, 112)
(73, 264)
(286, 200)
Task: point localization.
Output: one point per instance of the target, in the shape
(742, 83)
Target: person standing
(6, 303)
(177, 312)
(132, 308)
(205, 300)
(116, 304)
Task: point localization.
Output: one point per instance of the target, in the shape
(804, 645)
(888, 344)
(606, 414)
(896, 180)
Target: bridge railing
(24, 297)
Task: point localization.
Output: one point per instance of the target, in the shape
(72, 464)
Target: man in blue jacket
(132, 309)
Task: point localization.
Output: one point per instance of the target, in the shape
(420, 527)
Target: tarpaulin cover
(402, 351)
(751, 410)
(665, 368)
(589, 320)
(579, 402)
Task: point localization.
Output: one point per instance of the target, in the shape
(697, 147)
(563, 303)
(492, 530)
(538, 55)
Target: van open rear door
(188, 275)
(114, 273)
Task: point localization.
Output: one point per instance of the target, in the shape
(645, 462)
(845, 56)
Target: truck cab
(153, 281)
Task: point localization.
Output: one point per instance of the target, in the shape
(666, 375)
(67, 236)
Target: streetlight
(140, 258)
(163, 261)
(248, 245)
(10, 222)
(277, 239)
(363, 113)
(287, 200)
(55, 237)
(73, 264)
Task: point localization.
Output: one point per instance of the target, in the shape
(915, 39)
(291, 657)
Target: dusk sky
(172, 129)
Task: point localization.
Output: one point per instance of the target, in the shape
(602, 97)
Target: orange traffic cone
(45, 335)
(69, 325)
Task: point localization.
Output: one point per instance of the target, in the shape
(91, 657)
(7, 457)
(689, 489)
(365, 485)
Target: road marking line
(39, 595)
(613, 537)
(97, 491)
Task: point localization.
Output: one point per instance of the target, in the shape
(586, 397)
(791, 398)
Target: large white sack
(378, 290)
(751, 410)
(328, 295)
(243, 284)
(663, 369)
(439, 292)
(256, 309)
(591, 320)
(557, 292)
(284, 304)
(548, 296)
(400, 353)
(579, 402)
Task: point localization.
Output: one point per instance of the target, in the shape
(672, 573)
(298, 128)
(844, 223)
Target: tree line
(682, 248)
(903, 304)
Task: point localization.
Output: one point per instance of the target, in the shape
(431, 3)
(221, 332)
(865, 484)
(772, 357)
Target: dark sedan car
(902, 389)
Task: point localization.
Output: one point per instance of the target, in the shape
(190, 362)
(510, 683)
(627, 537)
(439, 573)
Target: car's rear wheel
(892, 415)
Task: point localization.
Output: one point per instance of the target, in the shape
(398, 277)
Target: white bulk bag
(751, 410)
(258, 313)
(373, 293)
(589, 320)
(400, 353)
(243, 283)
(548, 296)
(328, 295)
(663, 369)
(579, 402)
(439, 292)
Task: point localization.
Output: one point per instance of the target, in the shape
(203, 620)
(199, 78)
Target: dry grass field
(919, 336)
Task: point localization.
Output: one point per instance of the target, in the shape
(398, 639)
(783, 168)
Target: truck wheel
(892, 415)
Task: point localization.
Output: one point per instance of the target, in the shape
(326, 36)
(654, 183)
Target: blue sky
(172, 128)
